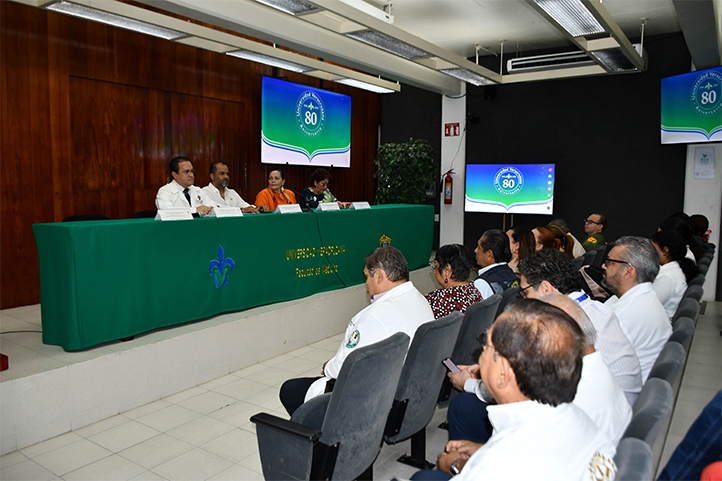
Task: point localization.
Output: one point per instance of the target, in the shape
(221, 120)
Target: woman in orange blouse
(275, 194)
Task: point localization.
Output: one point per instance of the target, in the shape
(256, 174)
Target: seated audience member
(563, 242)
(683, 228)
(451, 268)
(522, 244)
(396, 306)
(629, 271)
(223, 196)
(312, 196)
(544, 238)
(532, 363)
(492, 254)
(703, 232)
(675, 270)
(180, 192)
(577, 250)
(275, 193)
(599, 393)
(550, 272)
(594, 226)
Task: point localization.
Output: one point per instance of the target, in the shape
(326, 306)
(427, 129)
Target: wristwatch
(454, 470)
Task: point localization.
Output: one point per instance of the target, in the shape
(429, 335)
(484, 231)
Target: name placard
(226, 212)
(288, 209)
(327, 206)
(359, 205)
(180, 213)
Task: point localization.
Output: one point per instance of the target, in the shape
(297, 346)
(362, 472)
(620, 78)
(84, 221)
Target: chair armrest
(286, 426)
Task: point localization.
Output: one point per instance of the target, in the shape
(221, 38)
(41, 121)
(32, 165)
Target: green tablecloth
(105, 280)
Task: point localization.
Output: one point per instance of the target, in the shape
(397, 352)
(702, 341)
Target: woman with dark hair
(275, 193)
(452, 266)
(682, 227)
(562, 241)
(522, 244)
(544, 239)
(319, 193)
(676, 269)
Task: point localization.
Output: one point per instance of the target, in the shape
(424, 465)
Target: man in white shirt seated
(180, 192)
(223, 196)
(550, 271)
(396, 306)
(629, 270)
(492, 254)
(532, 364)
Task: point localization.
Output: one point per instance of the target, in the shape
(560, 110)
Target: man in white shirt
(629, 270)
(550, 271)
(180, 192)
(532, 364)
(223, 196)
(396, 306)
(492, 254)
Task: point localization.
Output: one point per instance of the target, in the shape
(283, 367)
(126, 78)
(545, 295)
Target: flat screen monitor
(304, 126)
(692, 107)
(510, 188)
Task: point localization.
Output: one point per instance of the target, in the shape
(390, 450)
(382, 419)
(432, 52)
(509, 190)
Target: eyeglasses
(522, 291)
(609, 259)
(590, 221)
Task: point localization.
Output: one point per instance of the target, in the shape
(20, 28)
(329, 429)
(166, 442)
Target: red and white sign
(451, 130)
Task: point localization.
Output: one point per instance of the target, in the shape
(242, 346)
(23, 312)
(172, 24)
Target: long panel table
(106, 280)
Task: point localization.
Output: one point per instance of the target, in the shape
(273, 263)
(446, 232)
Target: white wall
(453, 155)
(704, 196)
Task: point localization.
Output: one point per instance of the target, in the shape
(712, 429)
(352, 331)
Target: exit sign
(451, 130)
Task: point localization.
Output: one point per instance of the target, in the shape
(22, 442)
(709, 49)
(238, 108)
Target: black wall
(603, 135)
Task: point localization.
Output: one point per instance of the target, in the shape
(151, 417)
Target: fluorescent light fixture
(572, 15)
(363, 85)
(467, 76)
(115, 20)
(294, 7)
(268, 60)
(389, 44)
(614, 59)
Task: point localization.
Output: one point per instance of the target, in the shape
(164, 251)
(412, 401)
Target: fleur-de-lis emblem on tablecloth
(221, 268)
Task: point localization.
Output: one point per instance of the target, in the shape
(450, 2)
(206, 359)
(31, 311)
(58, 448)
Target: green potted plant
(404, 172)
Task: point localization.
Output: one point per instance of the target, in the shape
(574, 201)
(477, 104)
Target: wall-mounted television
(510, 188)
(692, 107)
(304, 126)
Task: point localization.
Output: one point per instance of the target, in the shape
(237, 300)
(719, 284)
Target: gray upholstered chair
(697, 281)
(421, 378)
(633, 460)
(509, 295)
(694, 292)
(704, 261)
(669, 363)
(703, 269)
(589, 258)
(650, 411)
(682, 332)
(478, 318)
(336, 435)
(688, 307)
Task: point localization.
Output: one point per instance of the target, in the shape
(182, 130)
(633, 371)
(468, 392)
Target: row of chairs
(640, 449)
(143, 214)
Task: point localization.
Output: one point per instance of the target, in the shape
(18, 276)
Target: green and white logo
(706, 93)
(353, 339)
(508, 181)
(310, 113)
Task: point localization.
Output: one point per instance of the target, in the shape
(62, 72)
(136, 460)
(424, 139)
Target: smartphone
(449, 364)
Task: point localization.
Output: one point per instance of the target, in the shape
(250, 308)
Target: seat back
(421, 377)
(694, 292)
(478, 318)
(633, 460)
(650, 410)
(703, 269)
(509, 295)
(687, 308)
(360, 403)
(697, 281)
(682, 332)
(145, 214)
(83, 217)
(669, 363)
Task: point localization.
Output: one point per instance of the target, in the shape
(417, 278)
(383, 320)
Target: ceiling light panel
(107, 18)
(467, 76)
(294, 7)
(572, 15)
(389, 44)
(268, 60)
(363, 85)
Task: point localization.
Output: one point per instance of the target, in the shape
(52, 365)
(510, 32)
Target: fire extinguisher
(448, 187)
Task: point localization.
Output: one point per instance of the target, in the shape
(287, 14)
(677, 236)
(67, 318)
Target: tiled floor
(205, 433)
